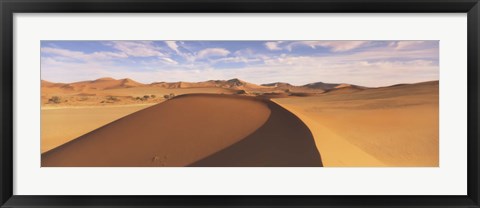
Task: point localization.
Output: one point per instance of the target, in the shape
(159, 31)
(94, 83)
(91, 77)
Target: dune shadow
(283, 141)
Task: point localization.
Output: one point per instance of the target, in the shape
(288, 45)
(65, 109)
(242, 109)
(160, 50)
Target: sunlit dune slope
(177, 132)
(388, 126)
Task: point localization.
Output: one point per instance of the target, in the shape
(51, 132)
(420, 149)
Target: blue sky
(368, 63)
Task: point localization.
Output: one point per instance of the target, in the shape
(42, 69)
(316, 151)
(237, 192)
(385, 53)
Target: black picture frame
(9, 7)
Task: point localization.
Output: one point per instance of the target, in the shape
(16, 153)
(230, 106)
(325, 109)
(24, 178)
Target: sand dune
(174, 133)
(309, 88)
(221, 130)
(98, 84)
(86, 86)
(344, 89)
(388, 126)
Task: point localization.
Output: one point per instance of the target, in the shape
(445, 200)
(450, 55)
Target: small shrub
(241, 92)
(153, 96)
(138, 98)
(82, 98)
(112, 98)
(146, 97)
(166, 96)
(54, 99)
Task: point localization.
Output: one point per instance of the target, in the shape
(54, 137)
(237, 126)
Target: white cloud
(77, 55)
(273, 46)
(63, 52)
(212, 52)
(244, 52)
(173, 45)
(236, 59)
(335, 46)
(60, 71)
(188, 56)
(402, 45)
(168, 60)
(137, 48)
(303, 70)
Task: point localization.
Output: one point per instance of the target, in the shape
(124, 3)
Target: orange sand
(391, 126)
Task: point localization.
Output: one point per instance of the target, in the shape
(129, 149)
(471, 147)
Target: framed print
(250, 124)
(239, 104)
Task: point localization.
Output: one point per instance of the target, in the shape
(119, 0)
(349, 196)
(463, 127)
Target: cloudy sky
(367, 63)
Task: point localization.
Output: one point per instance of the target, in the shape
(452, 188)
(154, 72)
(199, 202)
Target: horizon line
(240, 80)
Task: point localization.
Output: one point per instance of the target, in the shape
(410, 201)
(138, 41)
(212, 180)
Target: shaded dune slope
(194, 130)
(283, 141)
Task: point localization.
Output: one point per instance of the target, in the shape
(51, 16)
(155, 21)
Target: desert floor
(62, 124)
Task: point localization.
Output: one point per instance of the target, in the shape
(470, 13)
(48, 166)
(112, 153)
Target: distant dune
(344, 89)
(321, 85)
(196, 130)
(278, 84)
(107, 85)
(308, 89)
(230, 84)
(110, 91)
(87, 86)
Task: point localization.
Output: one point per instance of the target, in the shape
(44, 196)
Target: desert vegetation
(55, 100)
(169, 96)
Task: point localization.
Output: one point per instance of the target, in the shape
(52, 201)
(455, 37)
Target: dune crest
(283, 141)
(222, 130)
